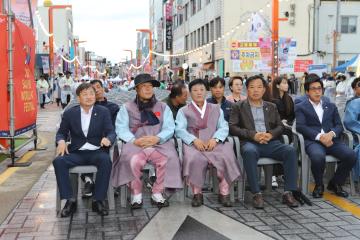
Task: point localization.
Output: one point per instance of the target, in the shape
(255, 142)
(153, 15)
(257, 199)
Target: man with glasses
(320, 123)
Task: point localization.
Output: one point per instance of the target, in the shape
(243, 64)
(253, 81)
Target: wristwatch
(217, 140)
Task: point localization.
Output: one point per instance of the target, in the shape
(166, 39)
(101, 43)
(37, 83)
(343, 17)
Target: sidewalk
(16, 182)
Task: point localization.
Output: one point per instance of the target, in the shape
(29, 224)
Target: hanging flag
(21, 10)
(25, 98)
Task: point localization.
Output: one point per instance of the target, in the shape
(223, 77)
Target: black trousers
(99, 158)
(317, 154)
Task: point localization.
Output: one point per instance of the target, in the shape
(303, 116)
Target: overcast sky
(108, 26)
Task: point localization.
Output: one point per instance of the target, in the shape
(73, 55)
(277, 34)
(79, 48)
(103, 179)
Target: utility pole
(335, 35)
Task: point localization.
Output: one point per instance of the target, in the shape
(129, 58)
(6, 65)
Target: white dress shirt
(320, 113)
(201, 111)
(85, 123)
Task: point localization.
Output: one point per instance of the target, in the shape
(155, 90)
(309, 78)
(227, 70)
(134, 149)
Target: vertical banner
(25, 99)
(45, 64)
(287, 55)
(168, 21)
(24, 78)
(4, 98)
(21, 10)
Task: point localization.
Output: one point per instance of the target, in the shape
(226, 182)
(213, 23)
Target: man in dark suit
(91, 132)
(114, 109)
(258, 125)
(320, 123)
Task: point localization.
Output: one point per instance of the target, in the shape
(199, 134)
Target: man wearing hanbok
(203, 129)
(146, 125)
(66, 84)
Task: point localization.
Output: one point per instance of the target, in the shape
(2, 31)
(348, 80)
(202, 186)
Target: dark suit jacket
(100, 126)
(308, 123)
(242, 124)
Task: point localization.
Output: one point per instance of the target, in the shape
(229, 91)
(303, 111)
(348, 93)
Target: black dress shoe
(337, 189)
(197, 200)
(318, 191)
(136, 205)
(165, 203)
(225, 200)
(69, 209)
(100, 207)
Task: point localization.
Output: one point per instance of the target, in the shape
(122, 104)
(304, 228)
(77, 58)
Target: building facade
(205, 30)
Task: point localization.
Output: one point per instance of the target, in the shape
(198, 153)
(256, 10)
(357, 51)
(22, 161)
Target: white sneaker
(136, 198)
(274, 183)
(159, 200)
(158, 197)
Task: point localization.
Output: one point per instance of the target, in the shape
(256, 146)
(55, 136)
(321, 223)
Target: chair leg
(268, 169)
(110, 197)
(352, 185)
(329, 171)
(241, 187)
(232, 192)
(305, 175)
(123, 196)
(215, 180)
(74, 179)
(58, 201)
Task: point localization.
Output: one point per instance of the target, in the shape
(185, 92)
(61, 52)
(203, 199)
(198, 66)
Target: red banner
(302, 65)
(25, 98)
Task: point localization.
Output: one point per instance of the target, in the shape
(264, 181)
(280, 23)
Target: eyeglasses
(315, 88)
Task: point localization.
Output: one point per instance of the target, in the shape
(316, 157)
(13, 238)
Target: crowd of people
(146, 126)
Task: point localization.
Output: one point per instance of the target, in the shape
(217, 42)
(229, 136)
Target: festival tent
(344, 67)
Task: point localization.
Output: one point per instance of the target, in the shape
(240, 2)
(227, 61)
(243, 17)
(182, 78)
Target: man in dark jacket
(92, 133)
(257, 123)
(319, 121)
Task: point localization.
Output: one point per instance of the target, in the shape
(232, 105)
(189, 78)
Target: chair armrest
(179, 148)
(348, 138)
(238, 151)
(285, 139)
(357, 138)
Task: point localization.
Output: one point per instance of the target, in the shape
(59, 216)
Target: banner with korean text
(25, 99)
(21, 10)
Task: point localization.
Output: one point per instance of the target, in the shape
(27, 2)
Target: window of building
(218, 27)
(193, 7)
(207, 33)
(348, 24)
(186, 11)
(199, 5)
(186, 42)
(199, 38)
(202, 35)
(181, 19)
(212, 31)
(208, 1)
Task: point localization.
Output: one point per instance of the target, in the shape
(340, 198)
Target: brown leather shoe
(225, 200)
(289, 200)
(197, 200)
(258, 201)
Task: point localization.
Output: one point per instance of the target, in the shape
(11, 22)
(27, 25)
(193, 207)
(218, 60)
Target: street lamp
(150, 43)
(51, 31)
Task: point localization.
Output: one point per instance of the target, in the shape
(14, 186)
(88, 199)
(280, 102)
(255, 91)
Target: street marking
(10, 171)
(340, 202)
